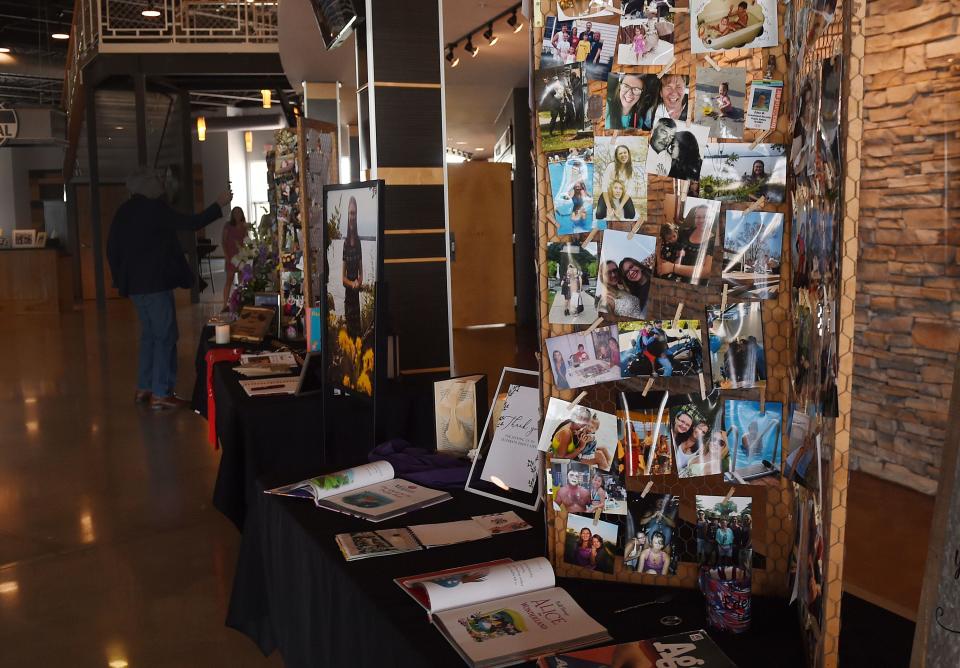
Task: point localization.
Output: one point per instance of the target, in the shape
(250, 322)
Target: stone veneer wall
(908, 277)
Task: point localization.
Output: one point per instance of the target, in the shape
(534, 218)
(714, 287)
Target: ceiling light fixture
(151, 12)
(451, 58)
(248, 141)
(470, 48)
(265, 94)
(201, 128)
(4, 49)
(60, 35)
(515, 23)
(490, 37)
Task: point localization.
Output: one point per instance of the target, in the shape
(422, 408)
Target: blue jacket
(143, 249)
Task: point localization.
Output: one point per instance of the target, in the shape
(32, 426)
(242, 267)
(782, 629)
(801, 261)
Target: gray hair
(144, 181)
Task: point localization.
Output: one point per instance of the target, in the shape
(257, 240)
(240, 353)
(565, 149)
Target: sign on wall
(8, 124)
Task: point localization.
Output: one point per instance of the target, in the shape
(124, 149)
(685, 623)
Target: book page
(449, 533)
(410, 583)
(335, 483)
(382, 498)
(487, 583)
(519, 626)
(513, 457)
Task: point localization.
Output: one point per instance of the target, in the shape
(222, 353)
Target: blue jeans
(157, 370)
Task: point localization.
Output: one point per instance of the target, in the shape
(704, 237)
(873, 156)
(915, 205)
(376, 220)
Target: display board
(319, 156)
(655, 193)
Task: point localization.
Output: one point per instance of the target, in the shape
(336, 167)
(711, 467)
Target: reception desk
(35, 280)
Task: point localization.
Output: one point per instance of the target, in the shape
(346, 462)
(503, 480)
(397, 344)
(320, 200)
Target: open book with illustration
(369, 491)
(691, 648)
(501, 613)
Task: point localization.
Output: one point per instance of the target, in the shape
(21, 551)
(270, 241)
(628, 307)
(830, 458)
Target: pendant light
(201, 128)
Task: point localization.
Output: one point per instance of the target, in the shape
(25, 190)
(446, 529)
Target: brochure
(692, 648)
(267, 387)
(366, 544)
(498, 614)
(369, 491)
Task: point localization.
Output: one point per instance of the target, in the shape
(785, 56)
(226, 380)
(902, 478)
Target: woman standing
(574, 287)
(352, 272)
(234, 234)
(560, 371)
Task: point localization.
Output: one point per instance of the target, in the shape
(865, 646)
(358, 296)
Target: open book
(501, 613)
(369, 491)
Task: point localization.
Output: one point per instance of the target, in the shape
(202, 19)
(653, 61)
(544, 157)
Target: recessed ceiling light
(60, 35)
(118, 127)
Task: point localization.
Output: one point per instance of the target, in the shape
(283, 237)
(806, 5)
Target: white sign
(513, 454)
(8, 124)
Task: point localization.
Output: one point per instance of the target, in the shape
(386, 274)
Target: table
(294, 592)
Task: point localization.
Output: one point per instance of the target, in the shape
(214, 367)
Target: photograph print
(674, 97)
(592, 42)
(579, 433)
(572, 282)
(721, 98)
(677, 149)
(660, 348)
(717, 25)
(581, 9)
(686, 247)
(737, 358)
(625, 272)
(738, 173)
(632, 101)
(569, 485)
(645, 40)
(650, 549)
(353, 223)
(724, 533)
(620, 179)
(644, 457)
(752, 252)
(591, 544)
(576, 361)
(755, 436)
(561, 96)
(764, 104)
(699, 441)
(571, 184)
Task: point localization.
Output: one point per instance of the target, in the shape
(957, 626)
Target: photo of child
(717, 25)
(579, 433)
(645, 41)
(571, 182)
(591, 544)
(625, 272)
(590, 41)
(654, 522)
(737, 358)
(721, 97)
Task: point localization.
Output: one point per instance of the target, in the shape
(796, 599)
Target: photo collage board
(668, 292)
(290, 237)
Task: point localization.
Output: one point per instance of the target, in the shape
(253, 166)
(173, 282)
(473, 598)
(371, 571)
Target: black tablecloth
(293, 591)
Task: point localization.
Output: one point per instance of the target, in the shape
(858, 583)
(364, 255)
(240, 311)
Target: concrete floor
(110, 552)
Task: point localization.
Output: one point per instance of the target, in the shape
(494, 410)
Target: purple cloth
(422, 466)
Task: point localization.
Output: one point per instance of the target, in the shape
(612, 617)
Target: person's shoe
(566, 311)
(142, 396)
(166, 403)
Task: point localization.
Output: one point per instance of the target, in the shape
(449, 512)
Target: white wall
(16, 162)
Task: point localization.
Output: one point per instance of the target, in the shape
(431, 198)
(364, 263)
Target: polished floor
(110, 552)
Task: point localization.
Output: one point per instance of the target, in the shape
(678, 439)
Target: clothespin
(763, 135)
(740, 59)
(634, 229)
(680, 10)
(756, 205)
(729, 494)
(596, 323)
(711, 62)
(723, 298)
(646, 489)
(610, 8)
(596, 515)
(590, 236)
(763, 400)
(703, 388)
(676, 316)
(646, 388)
(575, 402)
(738, 478)
(666, 68)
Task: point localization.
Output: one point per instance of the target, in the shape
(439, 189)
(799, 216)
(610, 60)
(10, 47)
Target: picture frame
(24, 238)
(311, 375)
(41, 241)
(511, 427)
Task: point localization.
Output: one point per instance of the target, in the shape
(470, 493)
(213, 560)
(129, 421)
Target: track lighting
(470, 48)
(490, 37)
(451, 58)
(514, 23)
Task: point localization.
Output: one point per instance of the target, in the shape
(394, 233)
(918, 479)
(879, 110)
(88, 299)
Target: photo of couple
(620, 180)
(754, 438)
(626, 268)
(572, 282)
(560, 94)
(686, 247)
(571, 182)
(752, 250)
(717, 25)
(579, 433)
(741, 173)
(581, 360)
(645, 41)
(699, 441)
(721, 97)
(676, 149)
(591, 544)
(660, 348)
(587, 41)
(652, 524)
(737, 358)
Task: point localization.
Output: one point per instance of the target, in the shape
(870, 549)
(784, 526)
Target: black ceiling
(26, 26)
